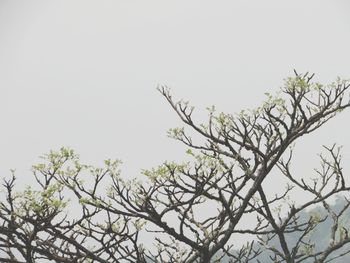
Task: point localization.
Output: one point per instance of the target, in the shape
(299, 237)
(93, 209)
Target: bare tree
(36, 226)
(194, 212)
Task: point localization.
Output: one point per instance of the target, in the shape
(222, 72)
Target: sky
(84, 74)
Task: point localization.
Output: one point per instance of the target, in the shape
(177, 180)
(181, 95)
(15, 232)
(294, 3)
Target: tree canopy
(197, 210)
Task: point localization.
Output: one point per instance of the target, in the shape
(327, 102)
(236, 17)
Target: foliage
(192, 211)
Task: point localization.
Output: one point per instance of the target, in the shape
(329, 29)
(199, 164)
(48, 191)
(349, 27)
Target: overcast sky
(84, 74)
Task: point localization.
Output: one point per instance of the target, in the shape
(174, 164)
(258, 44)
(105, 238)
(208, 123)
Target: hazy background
(84, 73)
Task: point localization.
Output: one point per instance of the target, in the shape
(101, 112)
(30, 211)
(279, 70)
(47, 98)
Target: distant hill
(321, 234)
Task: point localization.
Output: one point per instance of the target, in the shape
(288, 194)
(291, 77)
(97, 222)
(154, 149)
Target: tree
(192, 211)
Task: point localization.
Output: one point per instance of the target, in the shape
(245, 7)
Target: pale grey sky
(84, 73)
